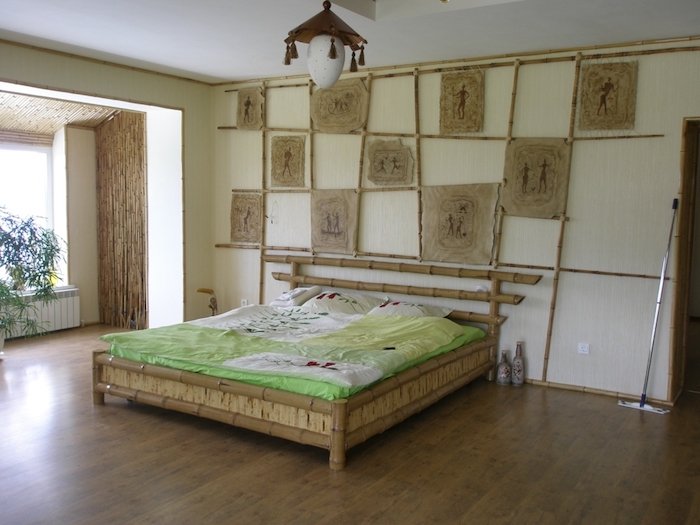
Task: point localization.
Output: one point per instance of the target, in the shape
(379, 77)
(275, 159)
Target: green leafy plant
(29, 255)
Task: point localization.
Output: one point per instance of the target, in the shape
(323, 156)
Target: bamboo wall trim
(516, 69)
(464, 63)
(553, 302)
(389, 256)
(400, 289)
(403, 267)
(616, 137)
(574, 97)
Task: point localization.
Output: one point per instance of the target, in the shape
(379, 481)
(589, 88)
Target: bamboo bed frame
(333, 425)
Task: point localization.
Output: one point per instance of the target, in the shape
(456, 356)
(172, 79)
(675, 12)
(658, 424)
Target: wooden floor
(487, 454)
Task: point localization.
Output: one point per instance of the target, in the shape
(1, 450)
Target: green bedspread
(330, 366)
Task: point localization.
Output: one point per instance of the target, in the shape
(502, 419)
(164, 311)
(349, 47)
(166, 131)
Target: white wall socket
(583, 348)
(244, 302)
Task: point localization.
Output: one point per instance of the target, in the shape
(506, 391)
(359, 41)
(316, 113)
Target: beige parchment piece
(333, 220)
(462, 102)
(536, 177)
(608, 96)
(249, 112)
(342, 108)
(458, 222)
(287, 166)
(246, 217)
(390, 163)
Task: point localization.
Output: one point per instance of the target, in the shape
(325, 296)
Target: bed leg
(337, 438)
(98, 398)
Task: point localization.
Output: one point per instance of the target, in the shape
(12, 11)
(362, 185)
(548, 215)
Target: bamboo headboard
(494, 296)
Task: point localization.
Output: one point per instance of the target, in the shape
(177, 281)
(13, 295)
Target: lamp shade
(325, 71)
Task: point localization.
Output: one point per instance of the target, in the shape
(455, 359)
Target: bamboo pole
(337, 438)
(494, 297)
(516, 68)
(310, 131)
(410, 268)
(553, 302)
(574, 97)
(499, 230)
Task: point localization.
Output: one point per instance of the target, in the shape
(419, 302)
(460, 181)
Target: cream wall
(33, 67)
(619, 205)
(81, 166)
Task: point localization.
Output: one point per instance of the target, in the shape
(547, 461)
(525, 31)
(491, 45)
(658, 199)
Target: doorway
(685, 354)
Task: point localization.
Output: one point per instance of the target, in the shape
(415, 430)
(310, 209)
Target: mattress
(322, 354)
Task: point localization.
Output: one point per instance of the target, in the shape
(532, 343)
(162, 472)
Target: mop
(642, 402)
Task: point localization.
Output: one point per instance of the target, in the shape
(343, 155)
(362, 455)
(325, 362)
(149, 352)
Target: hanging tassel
(287, 57)
(353, 64)
(361, 61)
(293, 50)
(333, 53)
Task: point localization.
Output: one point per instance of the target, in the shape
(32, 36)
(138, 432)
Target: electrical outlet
(583, 348)
(244, 302)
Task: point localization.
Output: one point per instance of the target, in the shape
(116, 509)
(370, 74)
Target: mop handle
(658, 302)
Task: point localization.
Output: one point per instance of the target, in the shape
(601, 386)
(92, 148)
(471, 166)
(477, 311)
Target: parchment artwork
(246, 214)
(249, 113)
(458, 223)
(462, 102)
(333, 220)
(341, 108)
(608, 96)
(390, 163)
(287, 167)
(536, 177)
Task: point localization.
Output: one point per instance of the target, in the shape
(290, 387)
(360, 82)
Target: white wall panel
(287, 107)
(336, 161)
(446, 161)
(392, 105)
(543, 103)
(389, 223)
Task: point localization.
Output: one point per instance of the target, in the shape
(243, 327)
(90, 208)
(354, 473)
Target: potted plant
(29, 254)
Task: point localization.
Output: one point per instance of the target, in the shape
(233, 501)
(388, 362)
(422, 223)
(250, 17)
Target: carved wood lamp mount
(324, 57)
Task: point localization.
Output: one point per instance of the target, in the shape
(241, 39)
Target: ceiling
(223, 40)
(44, 116)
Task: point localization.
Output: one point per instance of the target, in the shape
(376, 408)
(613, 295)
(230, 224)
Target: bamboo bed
(336, 425)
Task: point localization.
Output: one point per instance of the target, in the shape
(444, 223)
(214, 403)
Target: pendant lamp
(327, 36)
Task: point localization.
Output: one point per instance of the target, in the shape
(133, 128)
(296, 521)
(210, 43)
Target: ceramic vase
(518, 372)
(503, 372)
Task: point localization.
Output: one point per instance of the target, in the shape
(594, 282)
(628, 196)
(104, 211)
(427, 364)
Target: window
(25, 181)
(27, 188)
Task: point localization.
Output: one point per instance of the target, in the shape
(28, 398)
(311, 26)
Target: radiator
(60, 314)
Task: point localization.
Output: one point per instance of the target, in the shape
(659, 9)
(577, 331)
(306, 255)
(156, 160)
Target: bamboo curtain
(121, 216)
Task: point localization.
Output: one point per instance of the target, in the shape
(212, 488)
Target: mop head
(646, 407)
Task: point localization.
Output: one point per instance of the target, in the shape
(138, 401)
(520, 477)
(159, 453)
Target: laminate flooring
(486, 454)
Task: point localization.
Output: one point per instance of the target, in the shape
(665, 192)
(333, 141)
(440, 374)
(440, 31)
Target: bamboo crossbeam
(448, 293)
(404, 267)
(309, 403)
(302, 436)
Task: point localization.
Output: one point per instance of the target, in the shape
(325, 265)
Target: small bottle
(518, 374)
(503, 372)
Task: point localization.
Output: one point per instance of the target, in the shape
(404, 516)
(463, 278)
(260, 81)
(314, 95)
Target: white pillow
(296, 297)
(342, 302)
(410, 309)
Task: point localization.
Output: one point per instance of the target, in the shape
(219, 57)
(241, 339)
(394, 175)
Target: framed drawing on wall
(462, 102)
(390, 163)
(246, 217)
(342, 108)
(458, 223)
(334, 220)
(608, 96)
(288, 154)
(249, 112)
(536, 177)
